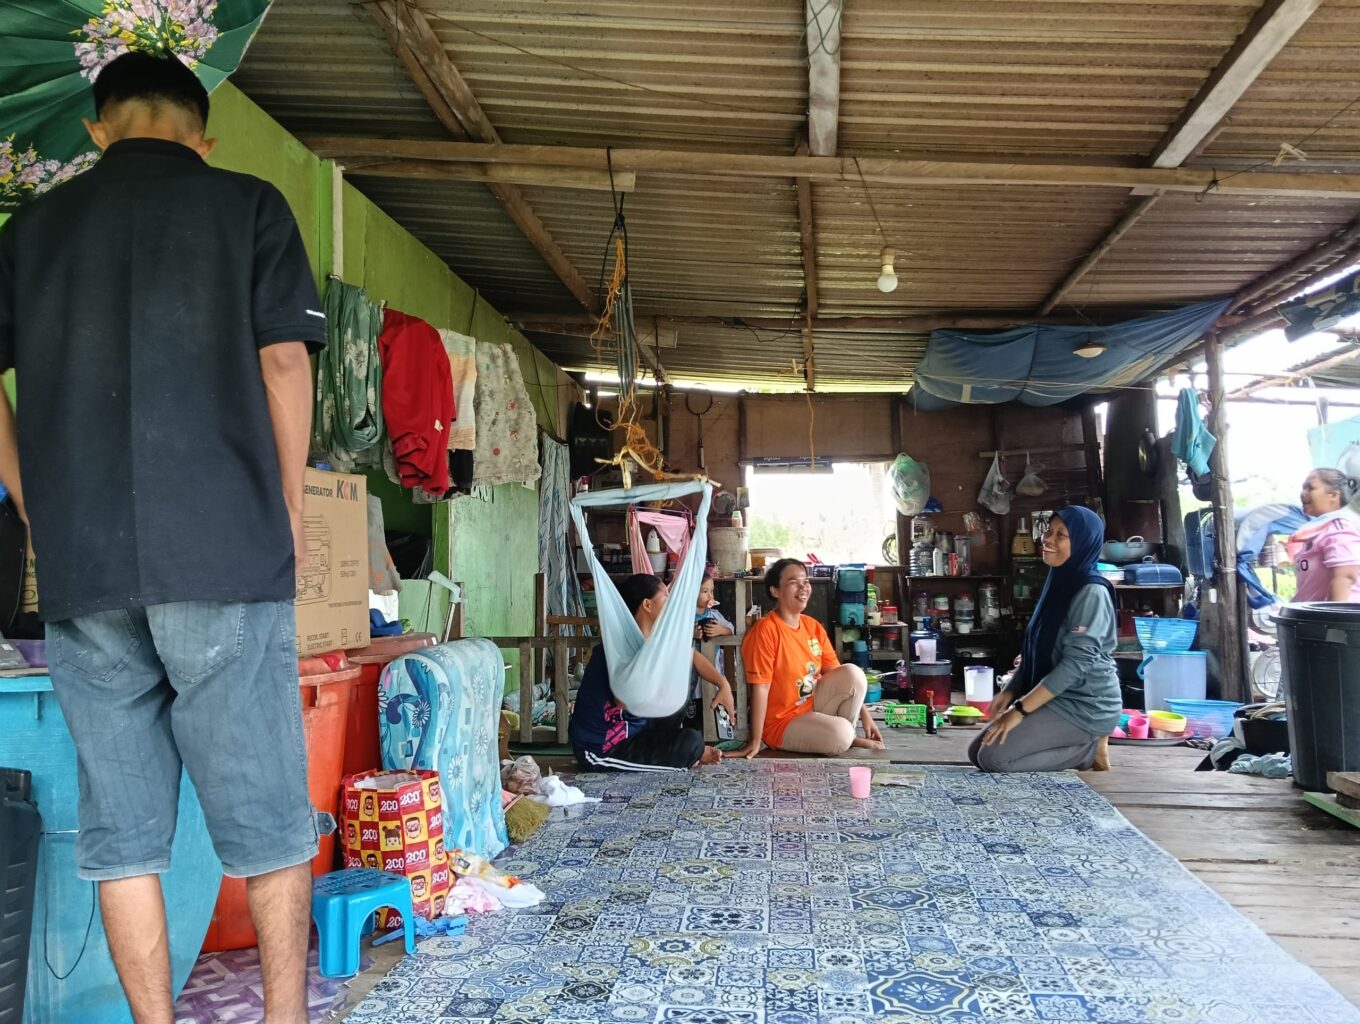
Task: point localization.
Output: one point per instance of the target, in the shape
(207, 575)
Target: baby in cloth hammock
(605, 737)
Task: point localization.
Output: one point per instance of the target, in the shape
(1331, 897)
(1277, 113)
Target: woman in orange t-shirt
(803, 699)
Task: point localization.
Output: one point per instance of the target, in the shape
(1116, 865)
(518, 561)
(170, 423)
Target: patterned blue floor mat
(762, 893)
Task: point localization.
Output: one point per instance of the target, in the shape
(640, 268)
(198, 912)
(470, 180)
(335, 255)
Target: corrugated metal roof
(1091, 80)
(323, 66)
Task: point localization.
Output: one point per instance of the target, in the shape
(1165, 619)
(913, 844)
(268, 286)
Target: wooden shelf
(1149, 586)
(975, 575)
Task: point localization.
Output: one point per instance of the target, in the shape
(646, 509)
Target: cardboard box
(332, 589)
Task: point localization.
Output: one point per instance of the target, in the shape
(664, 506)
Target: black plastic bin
(1320, 656)
(20, 831)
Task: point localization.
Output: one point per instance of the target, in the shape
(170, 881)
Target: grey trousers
(1043, 742)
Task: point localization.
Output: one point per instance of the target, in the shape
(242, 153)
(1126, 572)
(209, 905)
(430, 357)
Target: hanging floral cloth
(54, 49)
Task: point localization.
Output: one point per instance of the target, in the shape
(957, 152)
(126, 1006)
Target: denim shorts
(201, 685)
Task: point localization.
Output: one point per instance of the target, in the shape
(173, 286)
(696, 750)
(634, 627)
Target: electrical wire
(815, 18)
(870, 196)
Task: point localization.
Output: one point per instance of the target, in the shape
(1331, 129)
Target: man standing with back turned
(158, 314)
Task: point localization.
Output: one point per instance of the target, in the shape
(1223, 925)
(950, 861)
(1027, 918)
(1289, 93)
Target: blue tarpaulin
(1035, 365)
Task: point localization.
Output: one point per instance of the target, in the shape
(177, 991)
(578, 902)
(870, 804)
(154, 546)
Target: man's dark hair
(775, 571)
(150, 79)
(638, 588)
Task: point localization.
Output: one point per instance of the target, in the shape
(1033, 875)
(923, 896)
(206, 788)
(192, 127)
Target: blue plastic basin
(33, 736)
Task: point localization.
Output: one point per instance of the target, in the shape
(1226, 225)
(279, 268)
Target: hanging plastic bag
(995, 495)
(911, 485)
(1031, 485)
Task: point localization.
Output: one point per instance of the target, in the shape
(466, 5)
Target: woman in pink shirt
(1326, 550)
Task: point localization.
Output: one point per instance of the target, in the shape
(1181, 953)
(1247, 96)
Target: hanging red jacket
(417, 400)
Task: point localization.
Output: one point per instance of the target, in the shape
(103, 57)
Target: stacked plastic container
(852, 593)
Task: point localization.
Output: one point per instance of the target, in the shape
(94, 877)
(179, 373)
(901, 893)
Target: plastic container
(34, 652)
(979, 686)
(325, 709)
(860, 777)
(1206, 718)
(860, 653)
(1320, 657)
(1158, 636)
(21, 825)
(934, 680)
(1138, 727)
(1167, 677)
(1167, 722)
(898, 716)
(35, 738)
(362, 752)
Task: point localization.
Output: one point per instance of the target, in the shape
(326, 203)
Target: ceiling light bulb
(1089, 349)
(887, 279)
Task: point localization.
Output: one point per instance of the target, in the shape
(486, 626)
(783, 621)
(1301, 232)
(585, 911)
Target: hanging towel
(507, 432)
(1192, 443)
(649, 675)
(563, 587)
(349, 419)
(417, 401)
(462, 352)
(672, 529)
(382, 573)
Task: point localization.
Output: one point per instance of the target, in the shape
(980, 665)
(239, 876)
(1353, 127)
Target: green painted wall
(489, 546)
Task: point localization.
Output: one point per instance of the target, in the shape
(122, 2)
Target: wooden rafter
(1303, 372)
(583, 326)
(514, 174)
(1273, 25)
(823, 38)
(423, 56)
(807, 243)
(886, 170)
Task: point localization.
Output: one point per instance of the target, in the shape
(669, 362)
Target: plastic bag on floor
(556, 793)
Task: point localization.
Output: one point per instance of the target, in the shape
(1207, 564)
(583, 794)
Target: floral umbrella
(51, 51)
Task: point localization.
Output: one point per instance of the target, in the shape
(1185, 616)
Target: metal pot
(1122, 552)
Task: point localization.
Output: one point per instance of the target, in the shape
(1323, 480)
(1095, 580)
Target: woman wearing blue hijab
(1063, 701)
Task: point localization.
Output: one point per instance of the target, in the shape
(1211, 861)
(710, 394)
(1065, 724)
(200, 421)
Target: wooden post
(540, 621)
(526, 693)
(1233, 680)
(561, 693)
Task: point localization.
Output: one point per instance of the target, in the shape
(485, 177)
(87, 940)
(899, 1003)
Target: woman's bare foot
(1102, 761)
(867, 744)
(711, 755)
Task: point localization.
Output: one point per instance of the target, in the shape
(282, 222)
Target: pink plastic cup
(1138, 727)
(859, 782)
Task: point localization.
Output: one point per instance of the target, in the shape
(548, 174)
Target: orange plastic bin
(326, 686)
(362, 752)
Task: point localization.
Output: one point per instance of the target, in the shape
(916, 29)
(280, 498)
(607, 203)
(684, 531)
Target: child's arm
(710, 674)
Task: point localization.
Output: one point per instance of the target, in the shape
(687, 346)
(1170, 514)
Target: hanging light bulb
(887, 278)
(1089, 349)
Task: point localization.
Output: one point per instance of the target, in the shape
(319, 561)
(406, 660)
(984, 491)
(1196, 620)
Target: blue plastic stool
(342, 903)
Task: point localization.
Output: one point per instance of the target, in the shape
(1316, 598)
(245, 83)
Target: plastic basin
(36, 739)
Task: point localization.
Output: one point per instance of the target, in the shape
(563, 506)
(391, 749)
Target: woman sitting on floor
(1063, 700)
(803, 699)
(606, 737)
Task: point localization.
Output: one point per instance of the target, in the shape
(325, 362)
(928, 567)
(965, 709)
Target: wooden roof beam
(423, 56)
(823, 38)
(1273, 25)
(487, 174)
(807, 243)
(886, 170)
(981, 320)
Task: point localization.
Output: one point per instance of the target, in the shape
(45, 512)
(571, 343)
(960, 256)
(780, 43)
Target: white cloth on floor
(479, 895)
(556, 793)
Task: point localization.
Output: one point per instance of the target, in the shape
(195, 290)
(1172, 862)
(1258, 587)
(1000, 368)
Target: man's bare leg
(280, 907)
(134, 921)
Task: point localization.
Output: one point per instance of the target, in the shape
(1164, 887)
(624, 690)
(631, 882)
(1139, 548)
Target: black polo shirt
(134, 300)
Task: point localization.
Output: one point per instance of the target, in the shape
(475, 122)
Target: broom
(523, 817)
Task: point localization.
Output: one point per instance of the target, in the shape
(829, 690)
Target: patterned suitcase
(439, 709)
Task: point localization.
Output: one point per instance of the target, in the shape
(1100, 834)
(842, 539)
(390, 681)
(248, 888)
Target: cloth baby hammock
(650, 676)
